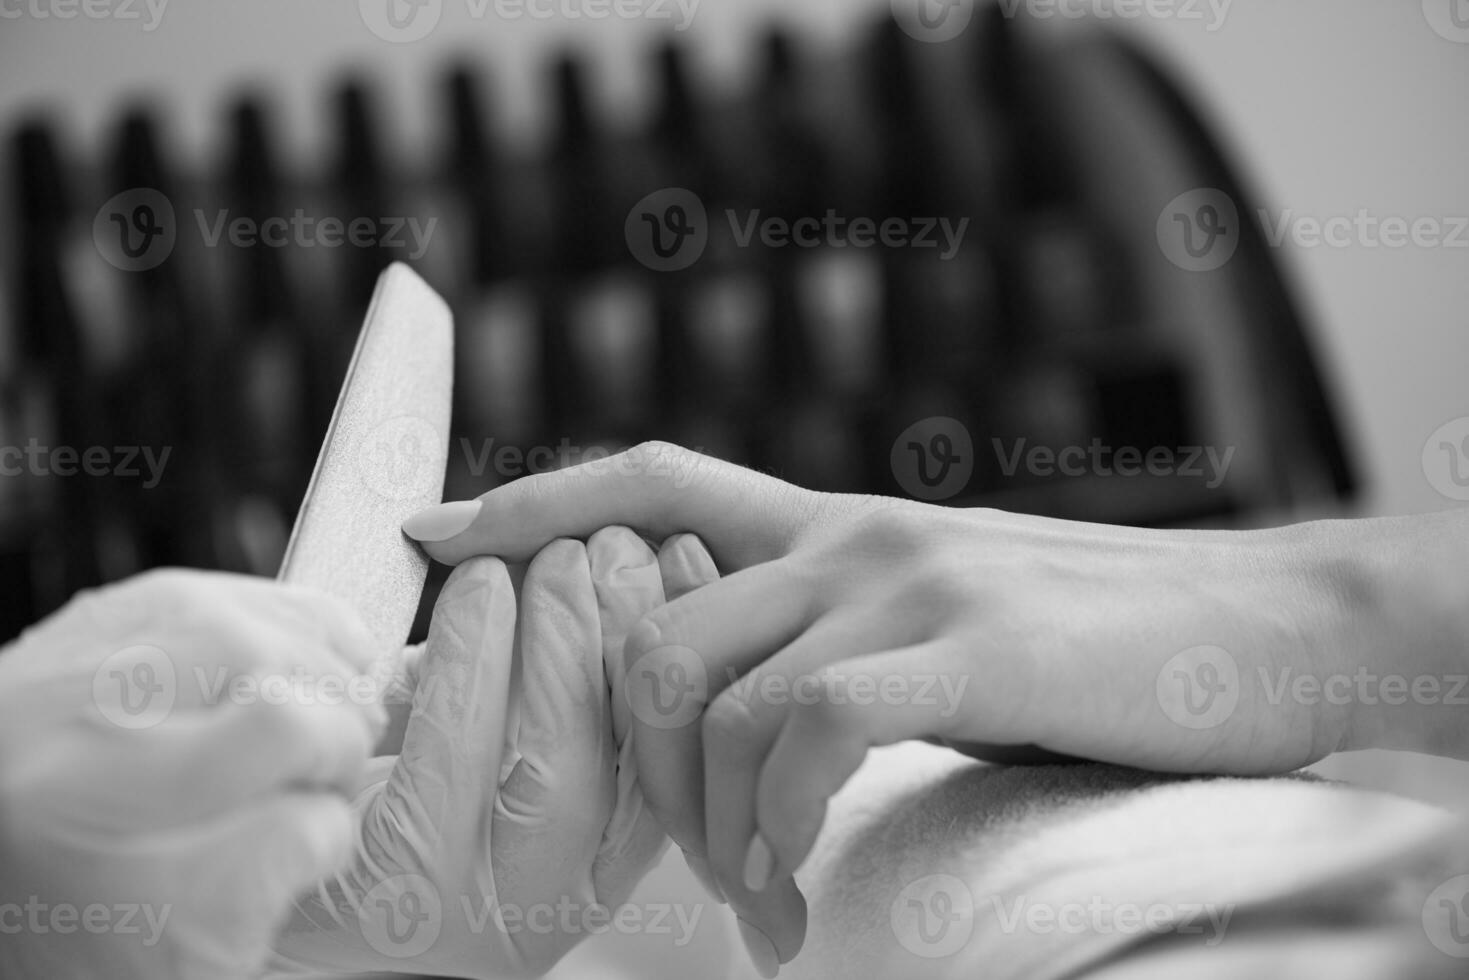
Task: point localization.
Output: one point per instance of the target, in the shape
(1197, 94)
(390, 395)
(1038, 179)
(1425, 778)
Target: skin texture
(1084, 640)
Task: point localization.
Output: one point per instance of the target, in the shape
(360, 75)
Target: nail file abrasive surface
(383, 460)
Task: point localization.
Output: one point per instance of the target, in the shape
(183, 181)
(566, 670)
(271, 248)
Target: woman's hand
(850, 622)
(176, 754)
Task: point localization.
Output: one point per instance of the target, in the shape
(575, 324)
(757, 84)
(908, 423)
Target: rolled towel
(931, 865)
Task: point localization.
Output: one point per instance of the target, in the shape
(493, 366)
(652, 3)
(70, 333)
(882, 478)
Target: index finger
(657, 489)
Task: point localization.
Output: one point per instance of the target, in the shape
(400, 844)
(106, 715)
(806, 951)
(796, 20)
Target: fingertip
(442, 522)
(618, 536)
(685, 564)
(645, 636)
(557, 556)
(787, 837)
(473, 576)
(778, 913)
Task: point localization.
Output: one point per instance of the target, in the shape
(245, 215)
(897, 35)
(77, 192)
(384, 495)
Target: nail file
(383, 460)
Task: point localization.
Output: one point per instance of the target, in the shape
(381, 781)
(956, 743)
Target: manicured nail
(761, 950)
(442, 521)
(705, 876)
(759, 863)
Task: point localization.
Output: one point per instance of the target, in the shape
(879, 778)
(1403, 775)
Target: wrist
(1400, 639)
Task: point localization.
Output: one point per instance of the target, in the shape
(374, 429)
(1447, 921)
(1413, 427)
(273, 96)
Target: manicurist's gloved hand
(176, 752)
(846, 622)
(512, 821)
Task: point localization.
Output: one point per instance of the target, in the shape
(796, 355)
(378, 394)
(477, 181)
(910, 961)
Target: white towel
(1057, 871)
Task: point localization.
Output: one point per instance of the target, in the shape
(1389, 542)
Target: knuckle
(890, 533)
(937, 590)
(658, 449)
(823, 716)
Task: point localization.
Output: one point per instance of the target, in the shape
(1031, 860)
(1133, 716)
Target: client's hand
(851, 622)
(176, 752)
(512, 820)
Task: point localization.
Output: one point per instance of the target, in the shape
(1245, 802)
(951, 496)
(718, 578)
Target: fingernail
(442, 521)
(701, 871)
(761, 950)
(759, 863)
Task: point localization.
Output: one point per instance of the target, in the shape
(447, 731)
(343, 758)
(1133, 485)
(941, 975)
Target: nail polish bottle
(58, 396)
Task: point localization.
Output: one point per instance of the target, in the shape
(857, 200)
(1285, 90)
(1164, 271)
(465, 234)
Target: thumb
(656, 489)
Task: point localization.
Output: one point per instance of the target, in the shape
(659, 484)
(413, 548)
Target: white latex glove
(512, 820)
(158, 810)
